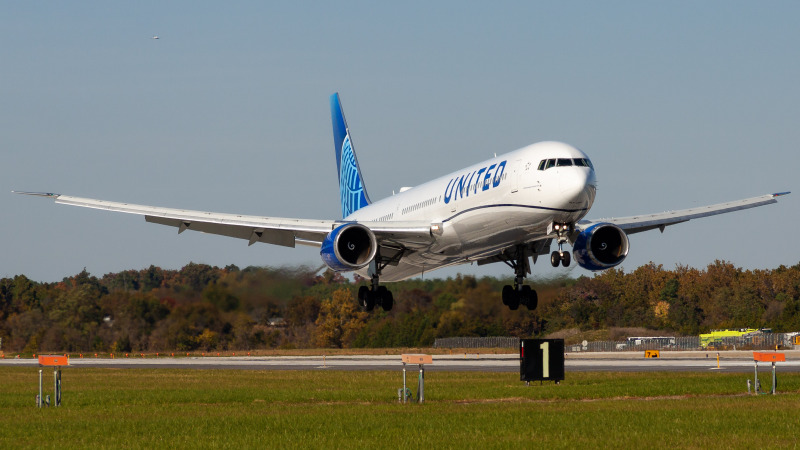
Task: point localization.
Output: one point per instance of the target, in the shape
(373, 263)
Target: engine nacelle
(349, 247)
(601, 246)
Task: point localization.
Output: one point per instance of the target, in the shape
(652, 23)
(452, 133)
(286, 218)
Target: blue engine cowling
(601, 246)
(349, 247)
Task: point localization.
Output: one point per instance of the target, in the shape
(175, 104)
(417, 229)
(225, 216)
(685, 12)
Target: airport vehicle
(508, 209)
(717, 338)
(655, 342)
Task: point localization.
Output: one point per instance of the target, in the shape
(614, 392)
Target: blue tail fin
(351, 185)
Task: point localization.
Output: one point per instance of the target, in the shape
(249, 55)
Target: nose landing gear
(562, 230)
(560, 257)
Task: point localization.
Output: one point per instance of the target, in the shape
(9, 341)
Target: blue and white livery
(351, 185)
(511, 209)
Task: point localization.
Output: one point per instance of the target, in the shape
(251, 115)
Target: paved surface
(575, 362)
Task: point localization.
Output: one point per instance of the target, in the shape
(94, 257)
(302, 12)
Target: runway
(475, 362)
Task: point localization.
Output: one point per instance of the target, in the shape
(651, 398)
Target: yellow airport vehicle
(716, 337)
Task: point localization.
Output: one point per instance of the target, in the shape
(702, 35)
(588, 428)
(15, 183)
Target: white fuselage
(495, 204)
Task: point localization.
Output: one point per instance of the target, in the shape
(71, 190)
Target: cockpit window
(564, 162)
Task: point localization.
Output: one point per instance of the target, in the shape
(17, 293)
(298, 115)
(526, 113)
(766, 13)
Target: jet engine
(601, 246)
(349, 247)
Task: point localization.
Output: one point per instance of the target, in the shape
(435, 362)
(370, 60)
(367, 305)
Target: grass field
(145, 408)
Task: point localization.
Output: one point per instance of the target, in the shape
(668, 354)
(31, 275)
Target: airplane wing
(270, 230)
(636, 224)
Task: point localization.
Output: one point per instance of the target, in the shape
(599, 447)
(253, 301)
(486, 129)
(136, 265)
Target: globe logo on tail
(350, 187)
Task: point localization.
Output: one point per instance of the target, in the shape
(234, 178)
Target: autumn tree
(339, 320)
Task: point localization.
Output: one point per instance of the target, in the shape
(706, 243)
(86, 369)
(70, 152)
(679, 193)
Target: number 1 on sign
(545, 346)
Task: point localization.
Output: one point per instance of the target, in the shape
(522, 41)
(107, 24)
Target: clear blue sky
(678, 104)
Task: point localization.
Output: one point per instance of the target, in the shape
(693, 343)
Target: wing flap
(285, 238)
(413, 235)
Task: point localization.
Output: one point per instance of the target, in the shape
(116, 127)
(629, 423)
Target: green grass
(145, 408)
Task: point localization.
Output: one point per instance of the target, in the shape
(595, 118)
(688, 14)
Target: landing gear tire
(565, 259)
(555, 258)
(508, 293)
(510, 297)
(526, 296)
(366, 299)
(529, 298)
(385, 298)
(513, 301)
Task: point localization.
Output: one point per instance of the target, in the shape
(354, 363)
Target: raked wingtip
(37, 194)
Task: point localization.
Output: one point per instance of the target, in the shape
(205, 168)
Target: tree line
(201, 307)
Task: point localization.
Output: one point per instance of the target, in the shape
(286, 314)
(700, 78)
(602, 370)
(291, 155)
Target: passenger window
(564, 162)
(550, 163)
(542, 163)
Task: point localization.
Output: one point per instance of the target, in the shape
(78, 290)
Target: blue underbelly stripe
(543, 208)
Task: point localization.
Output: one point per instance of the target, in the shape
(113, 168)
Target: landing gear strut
(368, 296)
(519, 294)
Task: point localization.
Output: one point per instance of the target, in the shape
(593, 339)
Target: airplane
(508, 209)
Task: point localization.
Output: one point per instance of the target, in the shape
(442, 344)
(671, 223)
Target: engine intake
(601, 246)
(349, 247)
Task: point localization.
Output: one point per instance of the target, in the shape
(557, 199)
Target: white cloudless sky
(678, 104)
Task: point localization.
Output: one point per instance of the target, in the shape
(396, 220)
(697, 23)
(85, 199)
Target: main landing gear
(519, 294)
(368, 296)
(377, 295)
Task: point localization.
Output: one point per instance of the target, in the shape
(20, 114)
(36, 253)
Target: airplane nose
(578, 187)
